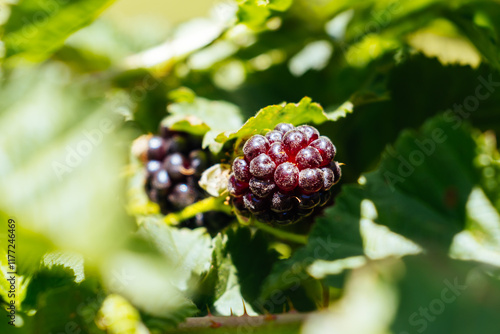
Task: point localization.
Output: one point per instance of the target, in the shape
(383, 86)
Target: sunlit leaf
(37, 27)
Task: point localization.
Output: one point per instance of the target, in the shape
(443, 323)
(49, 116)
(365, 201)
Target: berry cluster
(284, 175)
(174, 166)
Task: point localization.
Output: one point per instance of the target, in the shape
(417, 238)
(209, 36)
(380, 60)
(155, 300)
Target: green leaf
(484, 36)
(189, 251)
(252, 14)
(266, 119)
(36, 28)
(201, 116)
(59, 164)
(236, 274)
(279, 5)
(420, 192)
(450, 292)
(139, 277)
(77, 307)
(252, 266)
(255, 12)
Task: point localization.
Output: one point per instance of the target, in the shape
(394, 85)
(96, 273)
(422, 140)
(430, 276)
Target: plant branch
(297, 238)
(198, 325)
(205, 205)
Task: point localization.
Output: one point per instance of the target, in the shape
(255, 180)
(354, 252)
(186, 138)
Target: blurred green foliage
(407, 90)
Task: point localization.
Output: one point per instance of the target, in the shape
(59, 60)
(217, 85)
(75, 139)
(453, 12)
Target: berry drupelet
(285, 175)
(175, 162)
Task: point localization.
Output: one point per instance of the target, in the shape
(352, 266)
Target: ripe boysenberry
(294, 141)
(285, 175)
(274, 136)
(236, 188)
(157, 148)
(241, 169)
(174, 167)
(254, 146)
(262, 166)
(277, 153)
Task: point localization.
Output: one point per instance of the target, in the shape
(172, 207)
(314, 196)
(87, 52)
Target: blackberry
(285, 175)
(175, 162)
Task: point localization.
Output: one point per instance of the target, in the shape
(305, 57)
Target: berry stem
(297, 238)
(205, 205)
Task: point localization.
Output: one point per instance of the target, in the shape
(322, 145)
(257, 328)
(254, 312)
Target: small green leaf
(198, 115)
(279, 5)
(256, 12)
(266, 119)
(251, 14)
(189, 124)
(182, 94)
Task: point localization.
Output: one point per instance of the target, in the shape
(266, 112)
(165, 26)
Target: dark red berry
(262, 166)
(254, 146)
(277, 153)
(182, 195)
(311, 180)
(235, 187)
(241, 169)
(283, 202)
(161, 181)
(336, 171)
(172, 179)
(153, 166)
(309, 201)
(308, 157)
(176, 164)
(294, 141)
(178, 143)
(305, 212)
(164, 131)
(286, 176)
(255, 204)
(274, 136)
(152, 194)
(285, 218)
(261, 188)
(309, 132)
(157, 148)
(239, 204)
(328, 178)
(264, 216)
(284, 127)
(198, 162)
(288, 181)
(325, 197)
(325, 148)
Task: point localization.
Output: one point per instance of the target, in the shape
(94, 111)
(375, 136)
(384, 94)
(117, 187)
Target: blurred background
(170, 13)
(416, 245)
